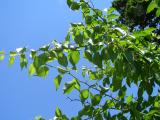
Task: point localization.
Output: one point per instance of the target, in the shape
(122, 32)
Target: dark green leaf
(97, 59)
(62, 59)
(75, 6)
(88, 55)
(96, 99)
(23, 61)
(69, 2)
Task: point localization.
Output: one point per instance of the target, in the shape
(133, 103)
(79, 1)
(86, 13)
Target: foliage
(138, 13)
(116, 62)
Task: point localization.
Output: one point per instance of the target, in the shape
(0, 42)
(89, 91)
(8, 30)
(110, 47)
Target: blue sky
(33, 23)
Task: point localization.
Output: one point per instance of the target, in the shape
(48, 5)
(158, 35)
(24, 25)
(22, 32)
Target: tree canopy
(138, 13)
(117, 61)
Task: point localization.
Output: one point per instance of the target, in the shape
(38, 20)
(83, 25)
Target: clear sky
(33, 23)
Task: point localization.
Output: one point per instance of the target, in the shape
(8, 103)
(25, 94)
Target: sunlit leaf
(69, 86)
(84, 94)
(57, 81)
(151, 7)
(42, 71)
(32, 69)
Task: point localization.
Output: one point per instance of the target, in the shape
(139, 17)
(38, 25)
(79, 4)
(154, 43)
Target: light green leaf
(11, 60)
(151, 7)
(110, 10)
(77, 85)
(57, 81)
(84, 94)
(58, 112)
(74, 57)
(112, 16)
(12, 54)
(1, 57)
(1, 52)
(158, 12)
(32, 69)
(129, 99)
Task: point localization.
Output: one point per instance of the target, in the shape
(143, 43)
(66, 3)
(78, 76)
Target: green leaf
(84, 94)
(106, 81)
(32, 69)
(129, 99)
(1, 52)
(44, 48)
(117, 83)
(33, 54)
(151, 7)
(112, 16)
(97, 59)
(69, 2)
(88, 20)
(69, 86)
(23, 61)
(1, 57)
(62, 70)
(11, 60)
(12, 54)
(42, 71)
(88, 55)
(57, 81)
(158, 12)
(96, 99)
(74, 57)
(62, 59)
(110, 10)
(58, 112)
(75, 6)
(77, 85)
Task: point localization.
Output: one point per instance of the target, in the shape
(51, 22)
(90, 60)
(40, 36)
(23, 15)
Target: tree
(148, 12)
(139, 15)
(116, 61)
